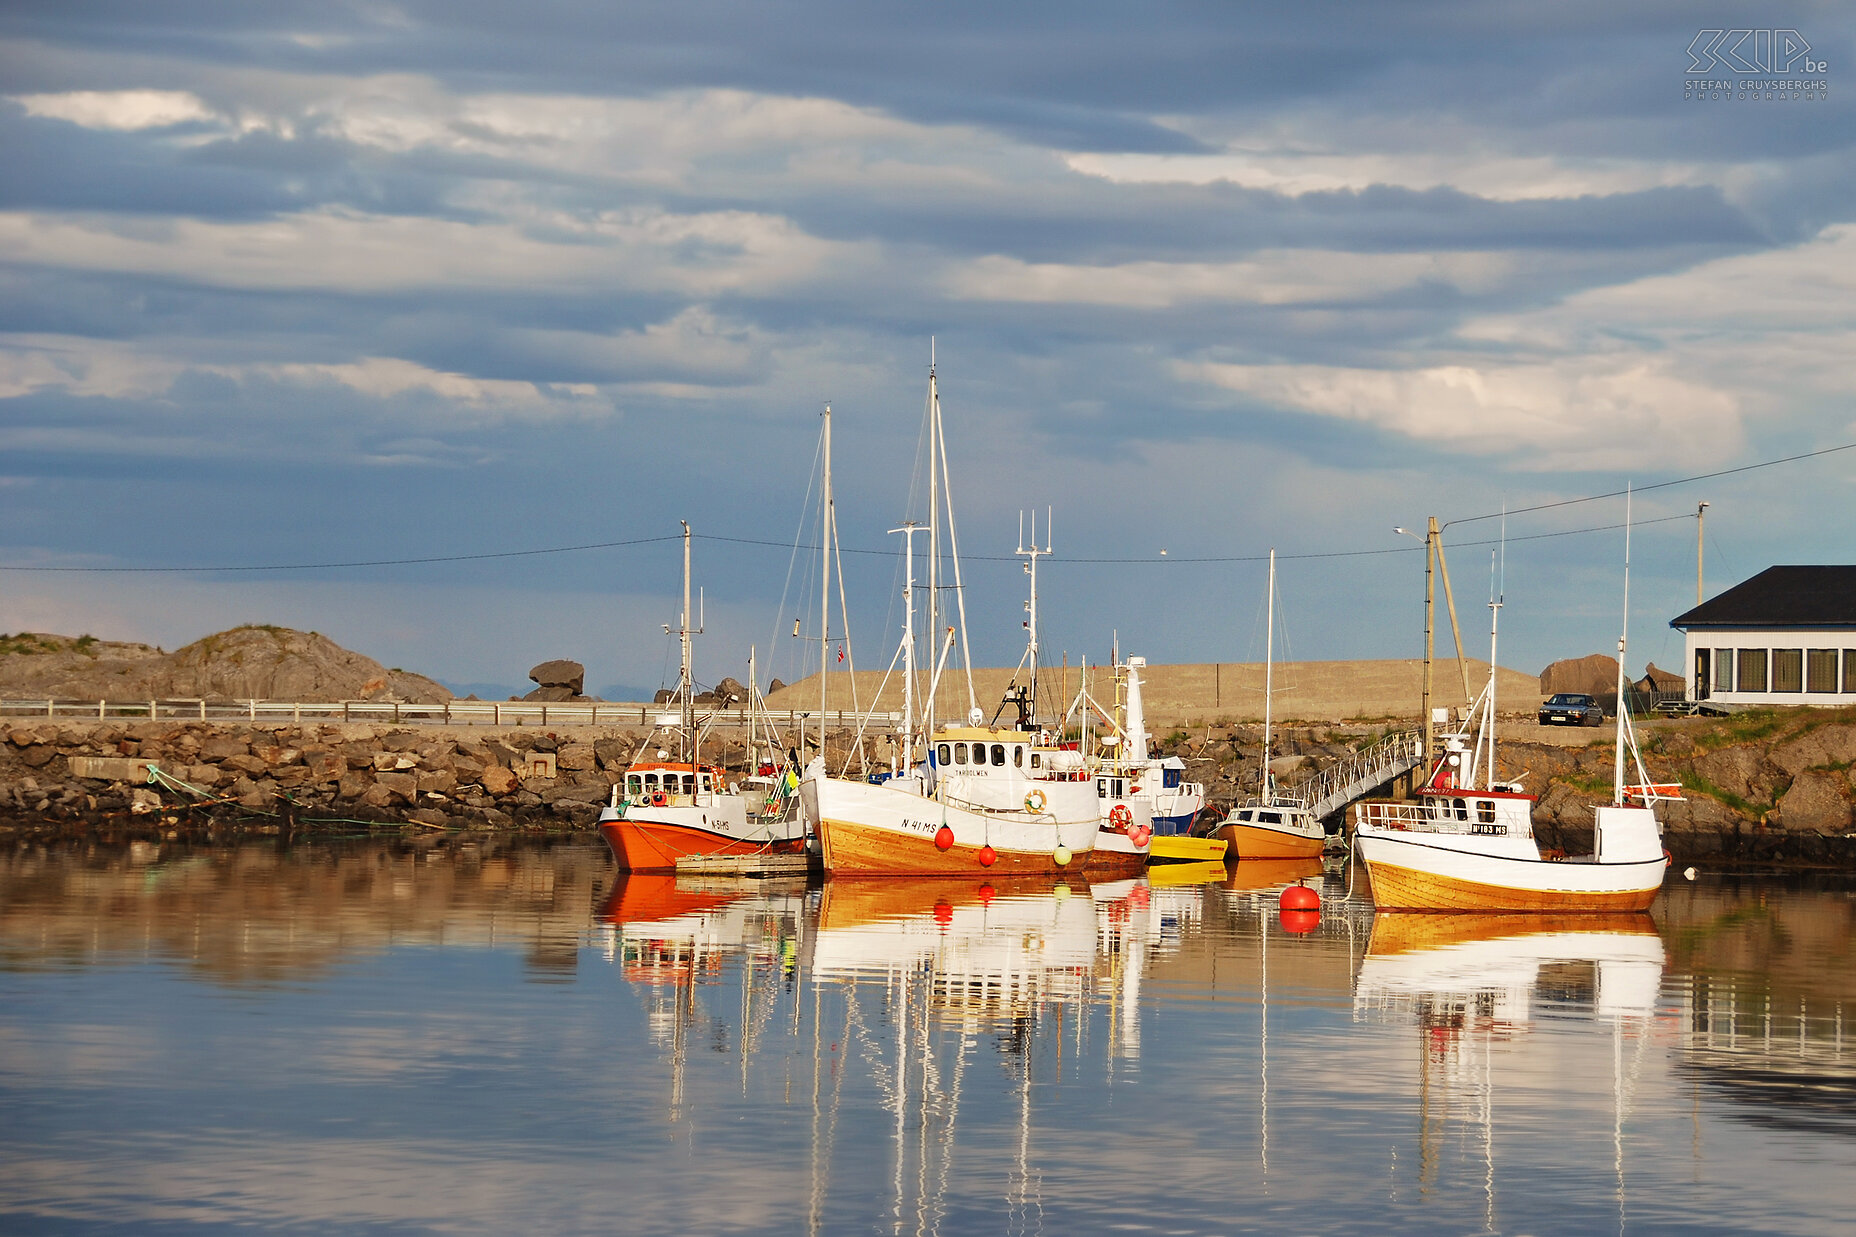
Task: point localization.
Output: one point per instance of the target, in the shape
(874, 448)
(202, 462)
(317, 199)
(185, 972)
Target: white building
(1786, 636)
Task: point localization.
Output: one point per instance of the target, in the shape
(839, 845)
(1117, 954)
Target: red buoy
(987, 893)
(1142, 836)
(943, 914)
(1299, 898)
(988, 856)
(1299, 922)
(943, 838)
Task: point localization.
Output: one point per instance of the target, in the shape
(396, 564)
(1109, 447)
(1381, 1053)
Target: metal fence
(447, 713)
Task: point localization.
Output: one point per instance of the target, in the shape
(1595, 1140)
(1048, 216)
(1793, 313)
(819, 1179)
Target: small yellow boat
(1182, 848)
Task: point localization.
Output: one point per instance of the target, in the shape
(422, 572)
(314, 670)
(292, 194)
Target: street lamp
(1430, 609)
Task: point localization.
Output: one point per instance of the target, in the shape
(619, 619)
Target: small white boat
(1469, 847)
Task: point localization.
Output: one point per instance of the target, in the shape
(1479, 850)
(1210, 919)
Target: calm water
(497, 1039)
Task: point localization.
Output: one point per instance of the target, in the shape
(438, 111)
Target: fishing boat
(1468, 844)
(1273, 825)
(958, 799)
(664, 810)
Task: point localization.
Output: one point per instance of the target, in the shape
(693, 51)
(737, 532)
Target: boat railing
(1427, 818)
(1359, 772)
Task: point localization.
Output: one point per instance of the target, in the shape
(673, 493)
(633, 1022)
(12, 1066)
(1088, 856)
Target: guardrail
(447, 713)
(1346, 780)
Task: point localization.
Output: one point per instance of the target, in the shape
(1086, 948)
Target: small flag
(840, 652)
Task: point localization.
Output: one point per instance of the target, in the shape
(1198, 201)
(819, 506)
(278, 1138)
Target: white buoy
(1689, 873)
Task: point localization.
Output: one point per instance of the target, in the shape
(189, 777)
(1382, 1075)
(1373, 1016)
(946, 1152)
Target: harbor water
(504, 1036)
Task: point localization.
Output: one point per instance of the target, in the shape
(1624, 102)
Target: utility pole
(1431, 535)
(1698, 523)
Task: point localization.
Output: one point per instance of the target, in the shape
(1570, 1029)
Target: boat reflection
(672, 935)
(1479, 986)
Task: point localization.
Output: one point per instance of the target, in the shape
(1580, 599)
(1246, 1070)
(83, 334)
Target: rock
(552, 695)
(38, 755)
(1818, 801)
(273, 755)
(577, 757)
(203, 776)
(613, 753)
(498, 779)
(1595, 675)
(441, 781)
(354, 785)
(402, 786)
(775, 686)
(220, 748)
(428, 816)
(142, 801)
(664, 696)
(560, 673)
(728, 691)
(249, 765)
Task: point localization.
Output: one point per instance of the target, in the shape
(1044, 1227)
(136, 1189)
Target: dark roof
(1781, 597)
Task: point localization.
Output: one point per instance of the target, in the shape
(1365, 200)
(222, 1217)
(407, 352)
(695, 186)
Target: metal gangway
(1361, 772)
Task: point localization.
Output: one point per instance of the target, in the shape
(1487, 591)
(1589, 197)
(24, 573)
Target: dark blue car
(1571, 709)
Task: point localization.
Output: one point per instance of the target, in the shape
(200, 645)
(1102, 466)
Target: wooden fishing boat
(1468, 847)
(664, 810)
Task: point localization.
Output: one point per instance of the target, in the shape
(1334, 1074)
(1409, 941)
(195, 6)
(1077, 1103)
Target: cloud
(118, 109)
(1576, 413)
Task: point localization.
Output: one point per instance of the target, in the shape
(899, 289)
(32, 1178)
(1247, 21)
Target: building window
(1787, 670)
(1849, 670)
(1723, 670)
(1820, 671)
(1751, 667)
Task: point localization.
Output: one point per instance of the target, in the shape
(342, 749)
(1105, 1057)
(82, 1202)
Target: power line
(1000, 558)
(373, 562)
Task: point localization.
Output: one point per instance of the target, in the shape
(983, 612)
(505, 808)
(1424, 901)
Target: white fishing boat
(1468, 843)
(664, 810)
(959, 799)
(1273, 825)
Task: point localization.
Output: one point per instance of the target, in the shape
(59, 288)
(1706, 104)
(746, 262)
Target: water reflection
(352, 1037)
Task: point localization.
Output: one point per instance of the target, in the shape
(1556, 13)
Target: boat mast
(824, 584)
(1031, 557)
(934, 528)
(907, 736)
(1269, 674)
(685, 688)
(1617, 763)
(1495, 614)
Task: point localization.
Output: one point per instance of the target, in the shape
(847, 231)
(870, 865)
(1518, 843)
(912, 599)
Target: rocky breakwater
(68, 776)
(1766, 787)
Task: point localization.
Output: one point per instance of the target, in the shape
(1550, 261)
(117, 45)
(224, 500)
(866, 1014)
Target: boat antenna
(1269, 674)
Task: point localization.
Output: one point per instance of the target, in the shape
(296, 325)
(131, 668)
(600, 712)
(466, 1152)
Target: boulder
(1818, 801)
(560, 673)
(1595, 676)
(553, 694)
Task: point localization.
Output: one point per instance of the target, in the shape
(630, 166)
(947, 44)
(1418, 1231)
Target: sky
(292, 285)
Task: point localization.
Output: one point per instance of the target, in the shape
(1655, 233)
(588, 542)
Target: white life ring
(1034, 802)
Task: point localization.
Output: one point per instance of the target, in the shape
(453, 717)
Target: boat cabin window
(998, 754)
(1037, 760)
(1169, 778)
(1018, 756)
(1270, 818)
(1101, 788)
(945, 757)
(634, 785)
(1485, 811)
(650, 779)
(960, 753)
(1462, 808)
(689, 783)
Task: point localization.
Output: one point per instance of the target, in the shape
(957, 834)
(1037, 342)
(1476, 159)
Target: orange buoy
(943, 838)
(988, 856)
(943, 914)
(1141, 836)
(987, 893)
(1299, 898)
(1299, 922)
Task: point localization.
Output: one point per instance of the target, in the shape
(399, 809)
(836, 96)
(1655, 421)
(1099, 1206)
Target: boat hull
(656, 845)
(867, 830)
(1178, 848)
(1411, 876)
(1247, 841)
(1115, 855)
